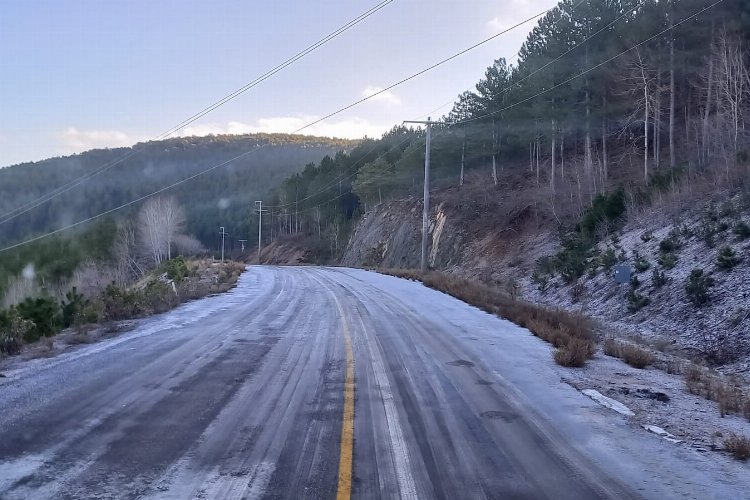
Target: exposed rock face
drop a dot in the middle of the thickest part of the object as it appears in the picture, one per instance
(390, 235)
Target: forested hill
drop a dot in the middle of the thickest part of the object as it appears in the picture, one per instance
(646, 95)
(220, 197)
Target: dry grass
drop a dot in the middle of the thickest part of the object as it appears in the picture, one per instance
(573, 354)
(571, 334)
(611, 347)
(635, 356)
(738, 446)
(716, 387)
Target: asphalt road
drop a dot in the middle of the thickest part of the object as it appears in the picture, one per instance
(301, 383)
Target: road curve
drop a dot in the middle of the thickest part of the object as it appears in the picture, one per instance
(316, 383)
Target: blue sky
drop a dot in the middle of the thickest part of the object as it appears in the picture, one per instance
(79, 74)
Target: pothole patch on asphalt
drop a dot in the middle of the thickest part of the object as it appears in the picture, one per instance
(505, 416)
(461, 362)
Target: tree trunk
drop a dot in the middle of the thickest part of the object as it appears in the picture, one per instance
(538, 146)
(707, 111)
(494, 160)
(463, 156)
(605, 162)
(552, 166)
(588, 160)
(645, 137)
(657, 120)
(562, 156)
(672, 159)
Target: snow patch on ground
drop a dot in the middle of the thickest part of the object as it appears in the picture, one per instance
(661, 432)
(608, 402)
(670, 318)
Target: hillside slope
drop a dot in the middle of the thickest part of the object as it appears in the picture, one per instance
(210, 200)
(504, 243)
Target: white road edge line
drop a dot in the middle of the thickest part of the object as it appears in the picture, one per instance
(399, 450)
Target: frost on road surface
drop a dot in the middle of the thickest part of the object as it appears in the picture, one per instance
(242, 395)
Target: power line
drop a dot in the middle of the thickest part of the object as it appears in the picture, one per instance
(80, 180)
(584, 72)
(415, 75)
(340, 110)
(589, 70)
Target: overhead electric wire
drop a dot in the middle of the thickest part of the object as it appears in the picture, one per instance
(586, 40)
(419, 73)
(76, 224)
(80, 180)
(589, 70)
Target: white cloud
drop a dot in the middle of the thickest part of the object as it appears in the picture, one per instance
(353, 128)
(73, 140)
(519, 11)
(387, 97)
(497, 24)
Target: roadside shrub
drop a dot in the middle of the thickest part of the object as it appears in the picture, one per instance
(577, 291)
(608, 259)
(669, 245)
(667, 260)
(76, 310)
(695, 381)
(707, 231)
(545, 265)
(573, 354)
(634, 281)
(44, 313)
(176, 269)
(636, 301)
(728, 396)
(119, 303)
(572, 261)
(13, 329)
(158, 297)
(607, 209)
(611, 347)
(738, 446)
(635, 356)
(658, 278)
(640, 264)
(727, 258)
(541, 281)
(742, 230)
(698, 286)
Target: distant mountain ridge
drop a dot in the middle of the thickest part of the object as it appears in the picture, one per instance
(219, 197)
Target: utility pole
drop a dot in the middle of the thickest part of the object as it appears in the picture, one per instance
(242, 243)
(223, 234)
(259, 209)
(426, 195)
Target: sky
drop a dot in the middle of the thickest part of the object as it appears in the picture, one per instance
(83, 74)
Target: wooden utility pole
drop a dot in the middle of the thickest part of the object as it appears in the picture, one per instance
(426, 193)
(223, 234)
(259, 210)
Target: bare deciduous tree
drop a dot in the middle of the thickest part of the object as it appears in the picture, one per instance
(159, 221)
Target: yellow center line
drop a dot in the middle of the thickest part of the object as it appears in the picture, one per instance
(344, 490)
